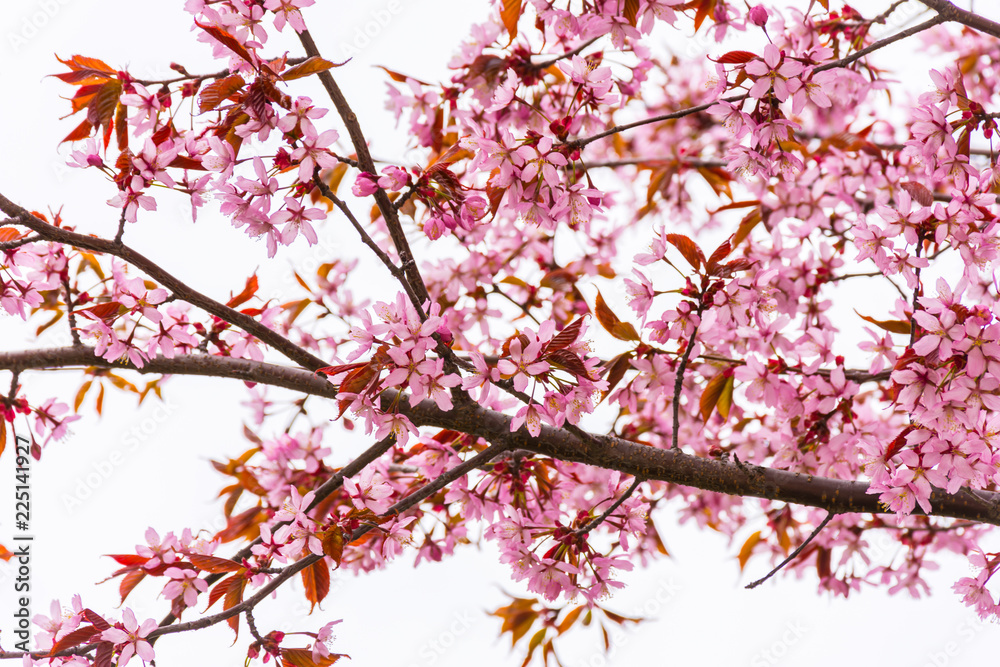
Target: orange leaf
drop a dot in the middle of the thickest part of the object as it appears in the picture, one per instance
(630, 11)
(401, 78)
(302, 657)
(510, 14)
(892, 326)
(749, 221)
(611, 323)
(313, 65)
(747, 549)
(710, 396)
(248, 291)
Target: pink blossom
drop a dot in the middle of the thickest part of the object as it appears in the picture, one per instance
(131, 640)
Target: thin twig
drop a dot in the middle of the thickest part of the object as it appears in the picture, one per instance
(599, 520)
(795, 553)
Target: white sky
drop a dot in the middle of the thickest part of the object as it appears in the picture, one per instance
(434, 615)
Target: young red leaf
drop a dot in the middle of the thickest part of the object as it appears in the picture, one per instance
(227, 40)
(214, 564)
(918, 192)
(81, 132)
(736, 57)
(720, 254)
(129, 582)
(316, 582)
(566, 337)
(85, 70)
(101, 110)
(74, 638)
(215, 93)
(689, 249)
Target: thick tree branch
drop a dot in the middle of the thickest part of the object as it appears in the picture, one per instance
(950, 12)
(632, 458)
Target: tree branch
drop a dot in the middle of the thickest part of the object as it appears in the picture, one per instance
(950, 12)
(382, 200)
(632, 458)
(180, 290)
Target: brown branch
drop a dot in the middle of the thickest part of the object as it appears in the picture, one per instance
(180, 290)
(382, 200)
(794, 554)
(843, 62)
(950, 12)
(423, 492)
(632, 458)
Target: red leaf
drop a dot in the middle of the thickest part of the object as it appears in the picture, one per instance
(736, 57)
(81, 132)
(130, 560)
(129, 582)
(228, 41)
(316, 581)
(566, 337)
(75, 638)
(689, 249)
(214, 564)
(215, 93)
(720, 254)
(85, 70)
(102, 311)
(919, 193)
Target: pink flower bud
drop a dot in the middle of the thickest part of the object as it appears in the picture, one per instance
(758, 16)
